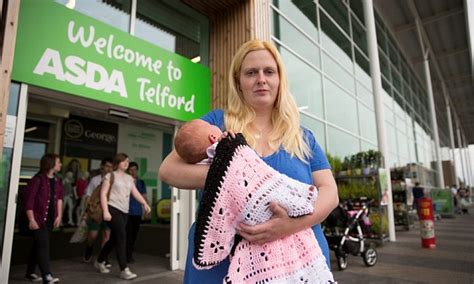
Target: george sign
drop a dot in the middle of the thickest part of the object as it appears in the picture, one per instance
(85, 137)
(77, 54)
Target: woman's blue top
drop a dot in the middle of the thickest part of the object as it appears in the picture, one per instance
(280, 161)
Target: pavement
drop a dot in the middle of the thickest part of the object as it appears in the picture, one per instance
(403, 261)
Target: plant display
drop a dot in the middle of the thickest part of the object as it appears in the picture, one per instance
(356, 189)
(379, 224)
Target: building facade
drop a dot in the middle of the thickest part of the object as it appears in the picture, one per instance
(119, 75)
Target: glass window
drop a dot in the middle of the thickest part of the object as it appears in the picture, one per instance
(341, 108)
(335, 42)
(33, 150)
(384, 67)
(411, 149)
(388, 114)
(113, 12)
(362, 69)
(338, 12)
(341, 144)
(305, 83)
(387, 99)
(336, 72)
(381, 39)
(367, 121)
(402, 145)
(396, 81)
(170, 27)
(298, 42)
(302, 13)
(316, 127)
(393, 53)
(359, 35)
(358, 9)
(368, 146)
(391, 138)
(365, 95)
(5, 163)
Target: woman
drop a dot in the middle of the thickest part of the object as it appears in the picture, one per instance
(261, 107)
(115, 206)
(43, 204)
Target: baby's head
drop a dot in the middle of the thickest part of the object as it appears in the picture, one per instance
(193, 139)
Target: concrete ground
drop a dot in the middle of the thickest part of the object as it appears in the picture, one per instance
(403, 261)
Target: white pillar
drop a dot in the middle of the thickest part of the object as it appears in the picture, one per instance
(460, 152)
(378, 103)
(467, 157)
(434, 123)
(451, 136)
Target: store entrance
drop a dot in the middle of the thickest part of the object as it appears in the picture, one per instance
(83, 132)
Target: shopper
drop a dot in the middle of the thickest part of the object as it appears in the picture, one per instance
(80, 193)
(43, 205)
(418, 194)
(261, 107)
(93, 227)
(135, 212)
(69, 199)
(114, 199)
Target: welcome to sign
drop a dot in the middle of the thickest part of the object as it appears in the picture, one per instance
(60, 49)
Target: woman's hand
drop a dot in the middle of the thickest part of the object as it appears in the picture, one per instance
(107, 216)
(33, 225)
(147, 208)
(279, 226)
(57, 221)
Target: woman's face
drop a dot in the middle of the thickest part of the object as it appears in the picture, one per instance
(124, 165)
(259, 79)
(57, 165)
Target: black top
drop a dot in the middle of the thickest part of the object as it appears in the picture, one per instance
(418, 192)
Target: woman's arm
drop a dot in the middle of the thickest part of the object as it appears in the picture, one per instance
(57, 221)
(139, 197)
(176, 172)
(282, 225)
(103, 197)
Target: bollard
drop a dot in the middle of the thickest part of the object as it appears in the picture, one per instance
(425, 212)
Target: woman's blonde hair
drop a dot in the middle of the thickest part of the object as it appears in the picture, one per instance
(285, 115)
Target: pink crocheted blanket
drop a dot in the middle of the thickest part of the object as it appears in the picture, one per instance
(239, 188)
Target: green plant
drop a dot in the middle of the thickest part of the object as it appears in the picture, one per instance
(355, 189)
(379, 224)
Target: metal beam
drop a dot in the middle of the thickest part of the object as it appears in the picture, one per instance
(425, 37)
(431, 19)
(442, 54)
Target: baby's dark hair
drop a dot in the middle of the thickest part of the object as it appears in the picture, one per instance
(189, 142)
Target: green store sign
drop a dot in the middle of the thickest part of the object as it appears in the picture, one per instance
(60, 49)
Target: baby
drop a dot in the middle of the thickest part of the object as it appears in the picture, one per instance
(196, 141)
(239, 188)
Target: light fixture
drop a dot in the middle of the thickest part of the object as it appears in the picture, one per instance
(302, 108)
(31, 129)
(196, 59)
(71, 4)
(118, 113)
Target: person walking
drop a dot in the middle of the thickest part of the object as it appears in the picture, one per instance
(261, 107)
(43, 205)
(135, 212)
(93, 227)
(115, 201)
